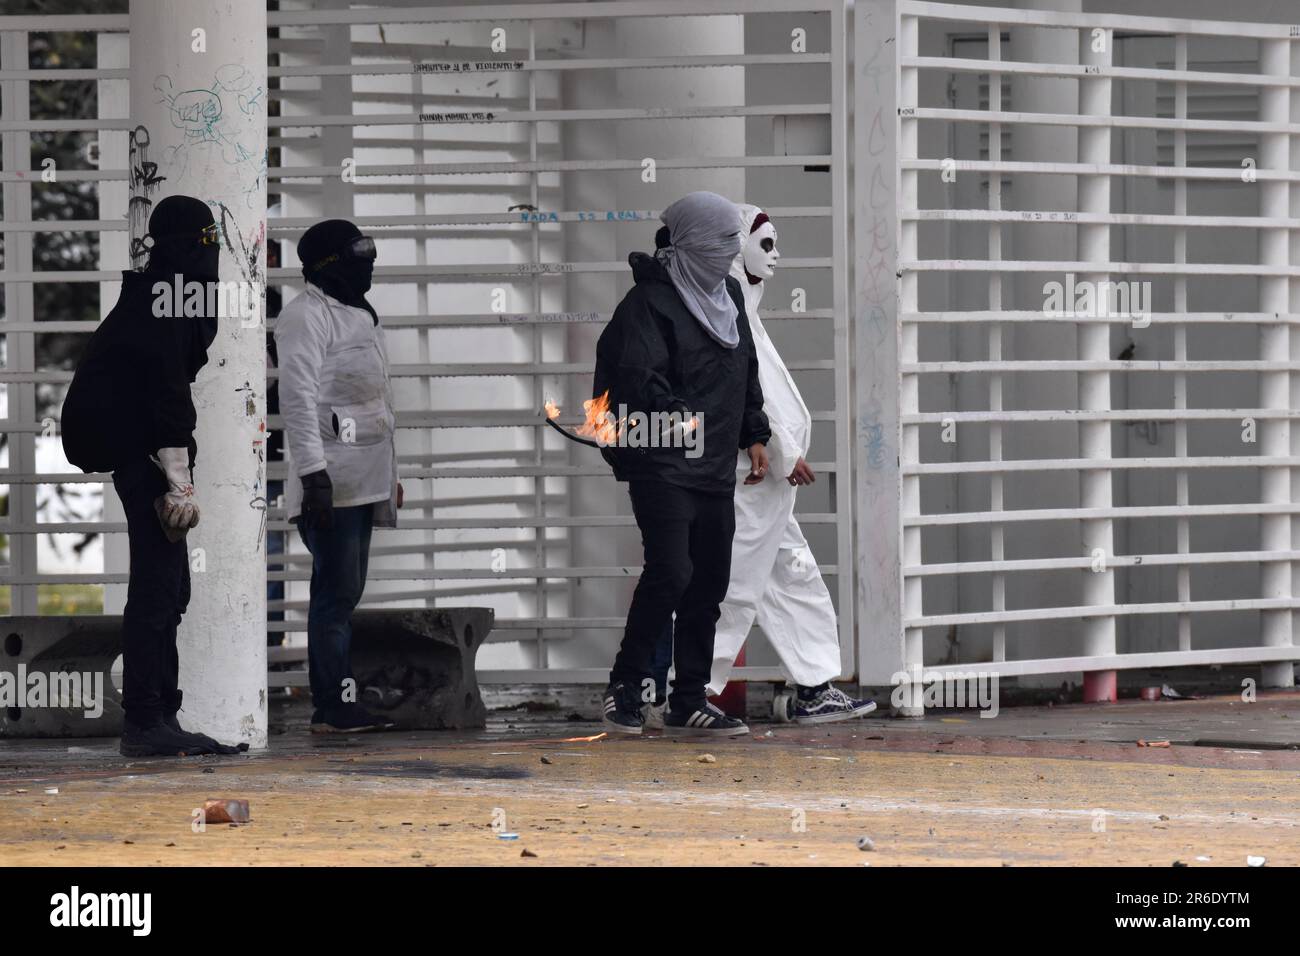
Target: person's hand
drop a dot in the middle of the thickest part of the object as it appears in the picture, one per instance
(757, 463)
(177, 509)
(802, 474)
(401, 495)
(318, 501)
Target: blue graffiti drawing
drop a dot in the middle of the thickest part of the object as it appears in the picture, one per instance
(875, 438)
(222, 123)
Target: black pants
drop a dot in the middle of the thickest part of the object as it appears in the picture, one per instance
(156, 597)
(687, 540)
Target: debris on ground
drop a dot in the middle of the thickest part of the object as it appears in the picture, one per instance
(865, 843)
(1256, 860)
(528, 852)
(225, 811)
(1154, 743)
(707, 758)
(546, 760)
(507, 836)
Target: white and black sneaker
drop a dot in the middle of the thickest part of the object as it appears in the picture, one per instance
(705, 719)
(827, 704)
(622, 704)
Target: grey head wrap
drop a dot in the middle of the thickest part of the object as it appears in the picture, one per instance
(704, 231)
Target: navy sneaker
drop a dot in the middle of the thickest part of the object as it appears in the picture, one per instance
(827, 704)
(705, 719)
(348, 720)
(622, 709)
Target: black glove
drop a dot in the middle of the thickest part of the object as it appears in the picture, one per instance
(318, 501)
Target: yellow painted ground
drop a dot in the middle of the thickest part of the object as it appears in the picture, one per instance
(652, 801)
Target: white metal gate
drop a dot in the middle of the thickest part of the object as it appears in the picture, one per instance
(1090, 491)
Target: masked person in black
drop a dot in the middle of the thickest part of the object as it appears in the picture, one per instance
(337, 407)
(678, 363)
(129, 411)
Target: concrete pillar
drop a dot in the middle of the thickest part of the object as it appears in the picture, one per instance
(1028, 340)
(198, 89)
(1095, 491)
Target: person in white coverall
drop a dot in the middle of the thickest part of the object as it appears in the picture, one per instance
(774, 577)
(337, 406)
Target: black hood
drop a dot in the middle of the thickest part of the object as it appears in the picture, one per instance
(345, 278)
(175, 228)
(646, 268)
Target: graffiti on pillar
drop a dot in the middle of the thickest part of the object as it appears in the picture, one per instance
(245, 250)
(143, 183)
(222, 123)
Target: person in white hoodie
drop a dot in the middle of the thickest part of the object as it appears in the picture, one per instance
(337, 405)
(775, 580)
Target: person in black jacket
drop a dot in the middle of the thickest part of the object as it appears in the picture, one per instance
(679, 345)
(129, 411)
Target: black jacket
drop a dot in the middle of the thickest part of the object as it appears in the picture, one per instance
(130, 395)
(654, 356)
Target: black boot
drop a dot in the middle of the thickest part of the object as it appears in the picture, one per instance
(198, 743)
(171, 705)
(155, 740)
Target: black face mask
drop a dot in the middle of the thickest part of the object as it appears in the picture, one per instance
(355, 274)
(347, 272)
(191, 259)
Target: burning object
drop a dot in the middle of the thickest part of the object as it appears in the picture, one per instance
(601, 428)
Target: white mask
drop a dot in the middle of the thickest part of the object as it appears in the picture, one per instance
(760, 253)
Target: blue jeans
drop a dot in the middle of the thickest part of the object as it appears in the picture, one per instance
(662, 660)
(338, 576)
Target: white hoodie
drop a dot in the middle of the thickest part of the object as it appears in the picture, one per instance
(337, 403)
(788, 416)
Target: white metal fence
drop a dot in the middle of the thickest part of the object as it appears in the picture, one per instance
(492, 179)
(1050, 493)
(1078, 485)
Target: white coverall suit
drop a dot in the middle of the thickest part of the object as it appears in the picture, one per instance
(334, 376)
(774, 577)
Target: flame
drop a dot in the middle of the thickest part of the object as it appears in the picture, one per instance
(582, 740)
(552, 410)
(600, 423)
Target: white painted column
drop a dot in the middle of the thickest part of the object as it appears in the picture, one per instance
(198, 85)
(1274, 345)
(1094, 345)
(909, 392)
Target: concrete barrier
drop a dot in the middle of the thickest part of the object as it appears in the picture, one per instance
(54, 676)
(416, 667)
(413, 666)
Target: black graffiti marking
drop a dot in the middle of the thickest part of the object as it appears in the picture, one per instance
(248, 258)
